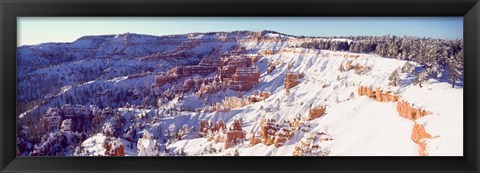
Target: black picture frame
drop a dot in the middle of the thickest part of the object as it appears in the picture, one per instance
(11, 9)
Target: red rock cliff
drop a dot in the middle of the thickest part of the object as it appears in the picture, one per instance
(407, 111)
(378, 94)
(419, 133)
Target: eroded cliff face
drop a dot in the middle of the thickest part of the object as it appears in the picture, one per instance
(316, 112)
(408, 111)
(291, 80)
(405, 110)
(418, 136)
(377, 94)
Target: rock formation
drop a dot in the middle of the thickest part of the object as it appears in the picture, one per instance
(283, 134)
(291, 80)
(316, 112)
(258, 96)
(418, 136)
(254, 139)
(309, 145)
(377, 94)
(268, 130)
(245, 78)
(235, 134)
(114, 147)
(359, 69)
(407, 111)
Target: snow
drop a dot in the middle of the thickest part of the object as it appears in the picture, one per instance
(446, 123)
(147, 146)
(366, 127)
(359, 126)
(94, 145)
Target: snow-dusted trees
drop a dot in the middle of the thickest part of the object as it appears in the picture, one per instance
(407, 68)
(421, 77)
(436, 55)
(456, 68)
(147, 146)
(394, 78)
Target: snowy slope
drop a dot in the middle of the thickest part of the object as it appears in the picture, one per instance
(359, 125)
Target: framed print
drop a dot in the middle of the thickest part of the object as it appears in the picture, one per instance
(228, 86)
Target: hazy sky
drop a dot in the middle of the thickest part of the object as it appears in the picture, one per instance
(34, 30)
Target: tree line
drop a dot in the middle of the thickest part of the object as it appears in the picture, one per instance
(440, 58)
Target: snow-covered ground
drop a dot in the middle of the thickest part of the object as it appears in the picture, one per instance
(359, 125)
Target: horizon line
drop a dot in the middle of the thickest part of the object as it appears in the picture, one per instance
(177, 34)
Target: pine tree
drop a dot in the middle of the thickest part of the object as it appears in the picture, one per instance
(421, 77)
(394, 78)
(455, 63)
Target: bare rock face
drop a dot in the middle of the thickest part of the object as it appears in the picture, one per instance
(208, 129)
(235, 134)
(114, 147)
(418, 134)
(203, 130)
(347, 66)
(407, 111)
(291, 80)
(254, 140)
(161, 79)
(359, 69)
(283, 134)
(378, 94)
(268, 130)
(316, 112)
(271, 67)
(245, 78)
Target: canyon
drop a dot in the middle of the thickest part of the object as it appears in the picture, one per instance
(236, 93)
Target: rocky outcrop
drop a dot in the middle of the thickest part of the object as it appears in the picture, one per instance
(283, 134)
(245, 78)
(181, 71)
(161, 79)
(407, 111)
(291, 80)
(258, 96)
(309, 145)
(378, 94)
(230, 65)
(359, 69)
(235, 134)
(114, 147)
(316, 112)
(269, 52)
(268, 130)
(235, 70)
(271, 67)
(203, 129)
(254, 139)
(210, 127)
(273, 132)
(418, 136)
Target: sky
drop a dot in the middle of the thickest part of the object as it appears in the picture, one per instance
(36, 30)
